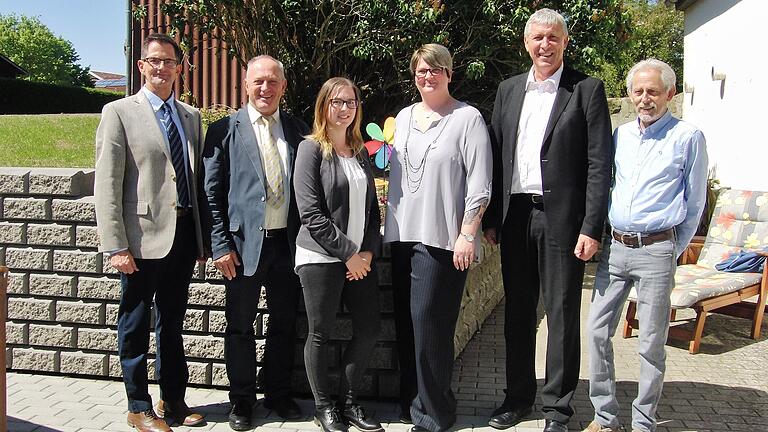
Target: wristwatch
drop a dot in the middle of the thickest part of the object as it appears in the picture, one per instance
(468, 237)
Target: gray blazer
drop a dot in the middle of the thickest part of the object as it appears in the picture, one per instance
(234, 187)
(135, 187)
(322, 196)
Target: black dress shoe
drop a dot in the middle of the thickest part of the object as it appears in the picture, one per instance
(418, 429)
(405, 417)
(285, 407)
(240, 416)
(329, 419)
(505, 417)
(555, 426)
(355, 416)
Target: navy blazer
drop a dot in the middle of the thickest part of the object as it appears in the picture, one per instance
(576, 156)
(322, 196)
(235, 186)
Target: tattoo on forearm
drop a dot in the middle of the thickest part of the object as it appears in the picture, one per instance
(475, 214)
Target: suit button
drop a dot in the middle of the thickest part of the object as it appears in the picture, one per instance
(173, 178)
(261, 228)
(173, 204)
(263, 199)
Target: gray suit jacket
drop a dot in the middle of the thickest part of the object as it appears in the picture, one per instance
(322, 196)
(234, 186)
(135, 180)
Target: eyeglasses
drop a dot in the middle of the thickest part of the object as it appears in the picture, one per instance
(338, 103)
(422, 73)
(157, 62)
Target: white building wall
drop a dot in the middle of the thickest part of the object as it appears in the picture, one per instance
(730, 36)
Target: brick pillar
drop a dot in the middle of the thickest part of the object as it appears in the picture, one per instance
(3, 307)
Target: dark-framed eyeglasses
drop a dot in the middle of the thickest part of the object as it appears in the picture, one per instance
(338, 103)
(158, 62)
(422, 73)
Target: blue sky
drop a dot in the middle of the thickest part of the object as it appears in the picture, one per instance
(96, 28)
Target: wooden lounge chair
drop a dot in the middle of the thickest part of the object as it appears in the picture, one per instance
(739, 222)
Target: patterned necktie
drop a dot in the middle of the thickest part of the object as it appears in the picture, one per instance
(177, 157)
(273, 169)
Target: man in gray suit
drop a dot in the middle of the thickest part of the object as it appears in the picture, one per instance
(148, 157)
(249, 159)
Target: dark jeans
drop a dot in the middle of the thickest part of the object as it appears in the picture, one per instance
(166, 280)
(275, 273)
(427, 293)
(324, 286)
(532, 261)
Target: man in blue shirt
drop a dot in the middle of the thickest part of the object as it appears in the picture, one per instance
(659, 189)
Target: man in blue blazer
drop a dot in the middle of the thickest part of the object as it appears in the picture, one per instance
(248, 160)
(551, 135)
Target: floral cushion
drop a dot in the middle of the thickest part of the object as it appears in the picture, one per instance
(739, 222)
(694, 283)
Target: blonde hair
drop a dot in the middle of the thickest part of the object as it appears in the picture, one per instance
(320, 124)
(435, 55)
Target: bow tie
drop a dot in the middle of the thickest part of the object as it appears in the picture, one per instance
(546, 86)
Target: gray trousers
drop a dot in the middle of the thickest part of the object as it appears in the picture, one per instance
(651, 271)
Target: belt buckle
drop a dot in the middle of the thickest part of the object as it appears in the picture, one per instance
(537, 199)
(627, 239)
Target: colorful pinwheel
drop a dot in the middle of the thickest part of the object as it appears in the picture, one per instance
(381, 141)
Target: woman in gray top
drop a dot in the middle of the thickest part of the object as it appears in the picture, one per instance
(440, 185)
(335, 247)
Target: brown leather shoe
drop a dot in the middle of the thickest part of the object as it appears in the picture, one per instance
(147, 421)
(179, 412)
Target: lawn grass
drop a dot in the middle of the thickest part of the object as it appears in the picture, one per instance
(48, 140)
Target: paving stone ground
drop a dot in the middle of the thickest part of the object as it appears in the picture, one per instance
(723, 388)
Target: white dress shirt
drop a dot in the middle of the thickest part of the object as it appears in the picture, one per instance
(274, 218)
(534, 116)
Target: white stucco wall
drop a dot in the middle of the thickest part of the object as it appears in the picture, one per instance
(730, 35)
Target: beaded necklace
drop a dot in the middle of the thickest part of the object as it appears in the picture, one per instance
(414, 174)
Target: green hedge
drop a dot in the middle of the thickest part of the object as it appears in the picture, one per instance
(27, 97)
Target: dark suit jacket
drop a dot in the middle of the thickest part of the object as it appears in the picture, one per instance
(322, 196)
(576, 156)
(235, 186)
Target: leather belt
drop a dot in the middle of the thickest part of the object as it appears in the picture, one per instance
(531, 198)
(635, 240)
(182, 211)
(277, 232)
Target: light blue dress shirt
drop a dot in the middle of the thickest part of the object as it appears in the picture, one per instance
(660, 178)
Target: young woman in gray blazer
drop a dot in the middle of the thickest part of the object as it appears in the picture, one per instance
(337, 241)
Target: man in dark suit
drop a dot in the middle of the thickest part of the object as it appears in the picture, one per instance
(551, 136)
(249, 160)
(148, 160)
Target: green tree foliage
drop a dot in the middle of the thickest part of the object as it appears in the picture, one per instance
(47, 57)
(655, 30)
(371, 41)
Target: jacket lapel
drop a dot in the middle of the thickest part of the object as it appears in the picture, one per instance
(148, 117)
(518, 96)
(564, 92)
(247, 138)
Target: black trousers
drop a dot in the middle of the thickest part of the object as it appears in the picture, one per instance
(533, 262)
(324, 286)
(166, 281)
(427, 291)
(275, 273)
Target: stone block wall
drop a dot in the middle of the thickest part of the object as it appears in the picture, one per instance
(63, 295)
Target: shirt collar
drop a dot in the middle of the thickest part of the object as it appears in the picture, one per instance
(254, 115)
(656, 126)
(552, 83)
(156, 102)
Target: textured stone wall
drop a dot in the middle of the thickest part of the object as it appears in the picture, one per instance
(63, 295)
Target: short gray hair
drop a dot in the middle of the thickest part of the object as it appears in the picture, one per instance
(268, 57)
(545, 17)
(668, 76)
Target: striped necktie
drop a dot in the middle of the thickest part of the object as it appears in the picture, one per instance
(177, 157)
(273, 167)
